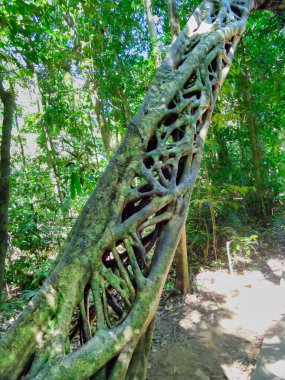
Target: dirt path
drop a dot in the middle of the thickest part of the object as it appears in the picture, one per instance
(217, 332)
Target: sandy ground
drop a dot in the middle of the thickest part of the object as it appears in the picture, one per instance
(216, 333)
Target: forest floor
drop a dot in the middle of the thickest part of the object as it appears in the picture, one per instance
(217, 331)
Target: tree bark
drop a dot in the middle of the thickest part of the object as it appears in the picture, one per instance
(21, 144)
(212, 212)
(276, 6)
(181, 255)
(103, 125)
(50, 151)
(8, 101)
(101, 118)
(256, 160)
(51, 159)
(250, 122)
(152, 32)
(181, 265)
(173, 20)
(122, 245)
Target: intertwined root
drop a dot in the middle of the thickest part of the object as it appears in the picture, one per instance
(162, 174)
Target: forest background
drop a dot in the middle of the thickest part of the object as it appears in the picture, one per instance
(77, 71)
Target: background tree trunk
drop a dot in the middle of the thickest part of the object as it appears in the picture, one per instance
(212, 212)
(173, 19)
(102, 121)
(49, 147)
(256, 161)
(8, 101)
(250, 123)
(181, 265)
(152, 32)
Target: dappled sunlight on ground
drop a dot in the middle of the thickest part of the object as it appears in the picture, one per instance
(217, 332)
(245, 296)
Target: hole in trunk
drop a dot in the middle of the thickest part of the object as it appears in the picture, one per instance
(148, 162)
(152, 144)
(169, 120)
(181, 166)
(190, 81)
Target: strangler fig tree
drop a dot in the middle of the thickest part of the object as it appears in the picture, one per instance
(106, 287)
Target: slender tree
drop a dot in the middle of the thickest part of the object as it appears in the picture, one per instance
(8, 101)
(250, 121)
(152, 32)
(173, 19)
(48, 143)
(181, 264)
(119, 252)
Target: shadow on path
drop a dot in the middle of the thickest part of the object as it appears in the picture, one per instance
(217, 332)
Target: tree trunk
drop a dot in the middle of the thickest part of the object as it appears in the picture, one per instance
(122, 98)
(101, 118)
(250, 122)
(181, 265)
(212, 212)
(173, 19)
(152, 32)
(256, 159)
(8, 101)
(50, 151)
(181, 255)
(276, 6)
(21, 143)
(51, 159)
(122, 245)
